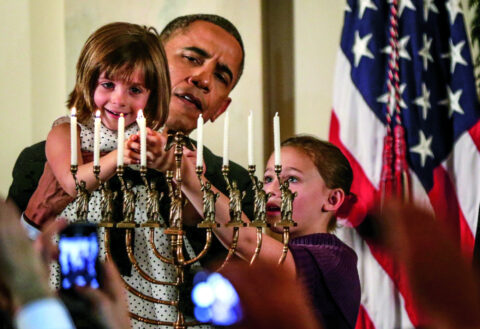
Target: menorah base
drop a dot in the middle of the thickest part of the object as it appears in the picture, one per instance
(174, 231)
(258, 223)
(151, 224)
(126, 225)
(208, 224)
(106, 224)
(236, 224)
(285, 223)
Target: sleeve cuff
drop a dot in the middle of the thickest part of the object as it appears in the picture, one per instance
(48, 313)
(32, 231)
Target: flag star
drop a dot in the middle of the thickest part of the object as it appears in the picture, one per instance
(455, 55)
(428, 5)
(425, 51)
(360, 47)
(402, 48)
(402, 4)
(347, 8)
(454, 8)
(384, 98)
(453, 102)
(423, 101)
(423, 148)
(364, 4)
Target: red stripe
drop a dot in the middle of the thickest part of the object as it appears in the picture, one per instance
(399, 280)
(363, 320)
(366, 194)
(361, 186)
(445, 204)
(442, 197)
(466, 237)
(475, 134)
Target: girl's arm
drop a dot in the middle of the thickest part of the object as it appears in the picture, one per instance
(271, 249)
(57, 150)
(157, 157)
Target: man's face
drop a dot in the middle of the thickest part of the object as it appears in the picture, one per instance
(203, 60)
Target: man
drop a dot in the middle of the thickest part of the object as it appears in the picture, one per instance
(206, 56)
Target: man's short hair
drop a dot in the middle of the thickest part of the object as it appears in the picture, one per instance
(182, 22)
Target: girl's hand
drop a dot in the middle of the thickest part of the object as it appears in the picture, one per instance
(157, 157)
(131, 152)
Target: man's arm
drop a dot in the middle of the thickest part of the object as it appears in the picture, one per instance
(26, 173)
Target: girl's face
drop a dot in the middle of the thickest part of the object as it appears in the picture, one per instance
(312, 193)
(114, 97)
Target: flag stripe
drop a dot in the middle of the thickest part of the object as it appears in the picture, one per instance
(445, 204)
(440, 113)
(363, 320)
(375, 270)
(475, 134)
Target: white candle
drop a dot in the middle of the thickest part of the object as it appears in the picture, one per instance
(200, 141)
(276, 138)
(225, 141)
(96, 140)
(73, 137)
(250, 139)
(143, 138)
(120, 139)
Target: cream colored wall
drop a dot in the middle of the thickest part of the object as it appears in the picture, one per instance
(47, 39)
(318, 26)
(15, 91)
(33, 76)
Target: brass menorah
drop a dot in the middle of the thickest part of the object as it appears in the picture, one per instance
(174, 229)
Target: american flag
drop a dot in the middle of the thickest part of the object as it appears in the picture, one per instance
(439, 111)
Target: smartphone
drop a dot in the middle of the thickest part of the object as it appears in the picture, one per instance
(79, 256)
(215, 299)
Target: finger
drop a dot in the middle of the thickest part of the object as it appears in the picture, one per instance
(151, 132)
(189, 153)
(150, 156)
(134, 146)
(113, 285)
(131, 139)
(153, 142)
(95, 296)
(131, 155)
(54, 227)
(44, 244)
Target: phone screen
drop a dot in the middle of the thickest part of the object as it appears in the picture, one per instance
(79, 263)
(215, 299)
